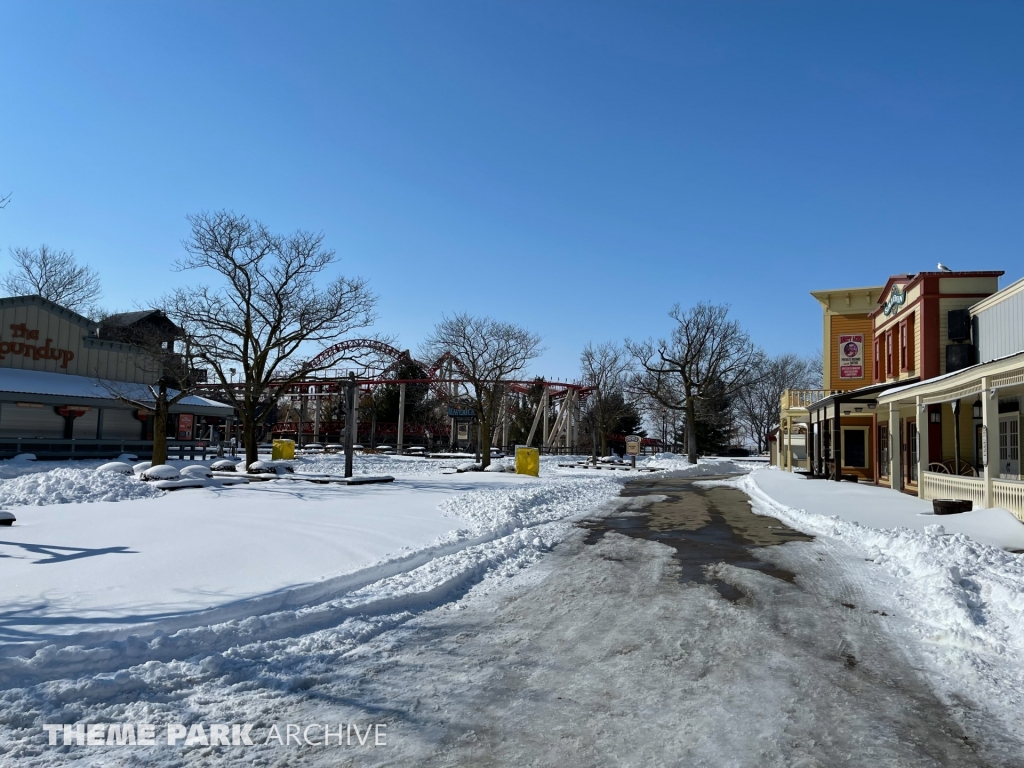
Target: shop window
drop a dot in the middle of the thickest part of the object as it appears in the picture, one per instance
(883, 450)
(903, 346)
(888, 355)
(911, 364)
(878, 359)
(912, 446)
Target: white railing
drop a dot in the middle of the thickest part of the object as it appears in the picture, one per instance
(803, 398)
(939, 486)
(1009, 494)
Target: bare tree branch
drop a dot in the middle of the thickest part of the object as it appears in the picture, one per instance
(706, 355)
(489, 352)
(54, 275)
(270, 308)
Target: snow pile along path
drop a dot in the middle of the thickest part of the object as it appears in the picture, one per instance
(965, 597)
(65, 485)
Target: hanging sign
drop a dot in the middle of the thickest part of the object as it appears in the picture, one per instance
(897, 299)
(851, 356)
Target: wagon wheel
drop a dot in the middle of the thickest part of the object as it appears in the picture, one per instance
(967, 469)
(937, 466)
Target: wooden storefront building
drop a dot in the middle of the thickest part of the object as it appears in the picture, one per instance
(69, 390)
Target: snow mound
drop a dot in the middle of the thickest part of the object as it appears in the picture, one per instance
(467, 466)
(72, 486)
(197, 471)
(116, 466)
(161, 472)
(128, 457)
(224, 465)
(142, 466)
(24, 457)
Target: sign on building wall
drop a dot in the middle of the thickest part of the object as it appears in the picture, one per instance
(851, 356)
(185, 426)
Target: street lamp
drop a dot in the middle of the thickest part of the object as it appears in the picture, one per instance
(976, 408)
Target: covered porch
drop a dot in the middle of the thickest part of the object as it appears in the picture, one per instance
(843, 429)
(969, 423)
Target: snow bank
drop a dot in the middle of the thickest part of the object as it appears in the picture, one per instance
(71, 486)
(965, 596)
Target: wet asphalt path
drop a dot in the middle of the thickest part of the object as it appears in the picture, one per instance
(689, 632)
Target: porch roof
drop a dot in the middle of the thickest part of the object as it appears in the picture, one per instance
(1003, 372)
(863, 395)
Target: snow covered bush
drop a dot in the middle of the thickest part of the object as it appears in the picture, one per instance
(196, 470)
(72, 486)
(161, 472)
(269, 468)
(142, 466)
(117, 467)
(224, 465)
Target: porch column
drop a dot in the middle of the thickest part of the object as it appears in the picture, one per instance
(788, 444)
(837, 442)
(990, 434)
(922, 444)
(895, 475)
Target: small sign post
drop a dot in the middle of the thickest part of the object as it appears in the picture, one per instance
(633, 448)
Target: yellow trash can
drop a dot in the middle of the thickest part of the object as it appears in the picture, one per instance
(527, 461)
(282, 449)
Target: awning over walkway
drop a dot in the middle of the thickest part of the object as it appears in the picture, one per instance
(997, 374)
(64, 389)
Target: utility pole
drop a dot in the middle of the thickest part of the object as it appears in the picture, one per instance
(350, 409)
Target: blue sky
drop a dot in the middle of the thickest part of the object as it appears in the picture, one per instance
(575, 167)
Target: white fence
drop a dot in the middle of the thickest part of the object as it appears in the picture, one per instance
(939, 486)
(1009, 494)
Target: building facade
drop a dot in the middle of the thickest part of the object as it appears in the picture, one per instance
(66, 391)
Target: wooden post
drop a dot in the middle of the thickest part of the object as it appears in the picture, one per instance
(504, 423)
(956, 436)
(895, 473)
(545, 404)
(401, 416)
(350, 408)
(837, 442)
(922, 444)
(316, 414)
(990, 436)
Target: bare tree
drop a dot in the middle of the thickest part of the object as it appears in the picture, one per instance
(54, 275)
(175, 370)
(272, 304)
(604, 367)
(707, 355)
(759, 402)
(816, 367)
(4, 200)
(487, 352)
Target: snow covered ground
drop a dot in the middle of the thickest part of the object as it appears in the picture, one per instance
(412, 604)
(951, 575)
(140, 574)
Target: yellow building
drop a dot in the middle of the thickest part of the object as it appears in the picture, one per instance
(846, 320)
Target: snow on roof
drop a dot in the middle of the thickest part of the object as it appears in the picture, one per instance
(935, 379)
(65, 385)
